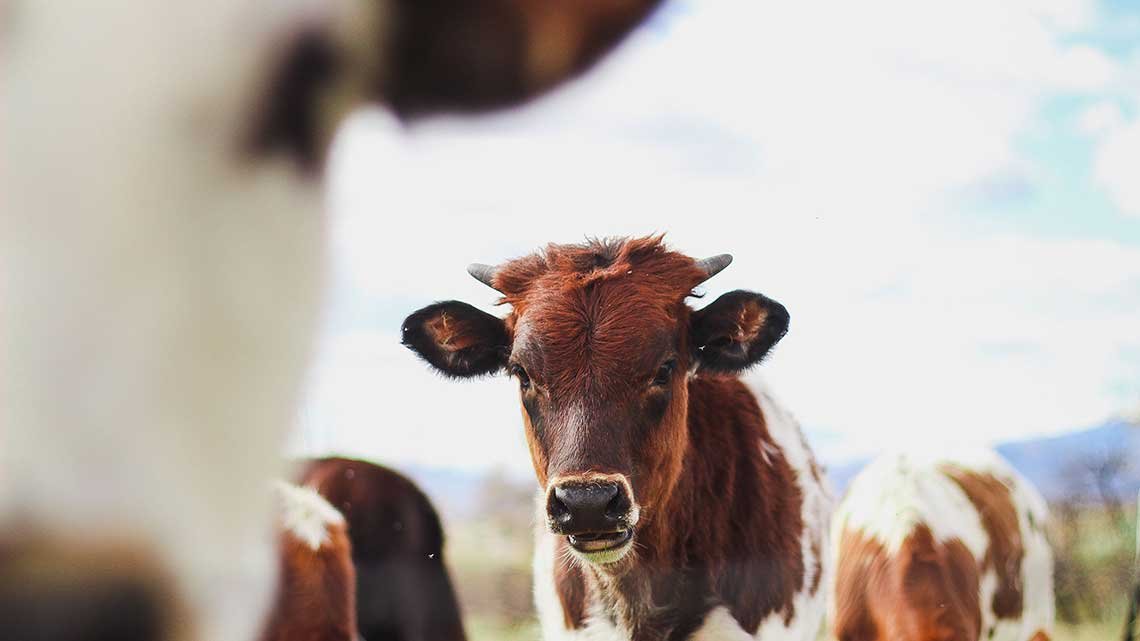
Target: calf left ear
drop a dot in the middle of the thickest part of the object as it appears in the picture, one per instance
(457, 339)
(736, 330)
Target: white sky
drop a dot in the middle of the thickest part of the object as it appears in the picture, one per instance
(852, 158)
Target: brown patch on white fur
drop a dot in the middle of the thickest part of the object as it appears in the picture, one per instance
(817, 554)
(991, 498)
(558, 39)
(927, 591)
(422, 56)
(493, 53)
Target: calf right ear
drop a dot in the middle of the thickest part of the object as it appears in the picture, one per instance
(458, 339)
(736, 331)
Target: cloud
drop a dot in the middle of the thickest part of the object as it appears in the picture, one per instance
(1083, 69)
(1115, 124)
(827, 147)
(998, 189)
(1100, 118)
(372, 398)
(1117, 167)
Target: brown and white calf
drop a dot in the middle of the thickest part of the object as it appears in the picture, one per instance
(162, 263)
(403, 591)
(316, 591)
(676, 502)
(948, 549)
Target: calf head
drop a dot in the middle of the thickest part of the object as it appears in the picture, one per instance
(602, 344)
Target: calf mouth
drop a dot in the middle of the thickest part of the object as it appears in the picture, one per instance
(601, 547)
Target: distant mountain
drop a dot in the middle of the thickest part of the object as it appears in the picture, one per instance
(1086, 465)
(1101, 462)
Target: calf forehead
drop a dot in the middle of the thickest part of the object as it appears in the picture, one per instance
(603, 329)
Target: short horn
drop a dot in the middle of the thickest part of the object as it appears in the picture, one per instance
(483, 273)
(713, 264)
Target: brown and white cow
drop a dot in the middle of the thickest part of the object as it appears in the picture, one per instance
(676, 502)
(162, 262)
(403, 589)
(316, 590)
(941, 549)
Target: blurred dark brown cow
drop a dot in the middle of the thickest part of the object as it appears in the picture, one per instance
(679, 503)
(403, 590)
(163, 259)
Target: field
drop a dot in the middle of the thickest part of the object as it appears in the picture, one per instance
(490, 629)
(490, 562)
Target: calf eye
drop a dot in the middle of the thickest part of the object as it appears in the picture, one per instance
(664, 373)
(518, 372)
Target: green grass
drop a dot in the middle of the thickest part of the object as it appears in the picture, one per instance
(481, 628)
(1104, 631)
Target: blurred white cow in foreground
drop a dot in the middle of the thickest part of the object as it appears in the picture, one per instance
(162, 252)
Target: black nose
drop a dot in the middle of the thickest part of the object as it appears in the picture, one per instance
(592, 507)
